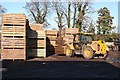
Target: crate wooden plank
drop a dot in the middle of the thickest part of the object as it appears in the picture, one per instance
(40, 32)
(13, 17)
(37, 53)
(37, 34)
(41, 52)
(13, 46)
(13, 54)
(13, 23)
(51, 31)
(51, 38)
(71, 30)
(41, 43)
(59, 49)
(36, 26)
(13, 36)
(53, 43)
(15, 32)
(37, 43)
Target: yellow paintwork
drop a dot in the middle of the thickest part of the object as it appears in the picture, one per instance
(68, 51)
(71, 46)
(87, 52)
(94, 45)
(103, 47)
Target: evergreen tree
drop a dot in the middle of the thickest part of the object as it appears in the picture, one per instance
(105, 21)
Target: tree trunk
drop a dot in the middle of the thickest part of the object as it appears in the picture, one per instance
(68, 19)
(74, 17)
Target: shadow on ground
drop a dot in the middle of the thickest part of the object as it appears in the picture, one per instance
(61, 69)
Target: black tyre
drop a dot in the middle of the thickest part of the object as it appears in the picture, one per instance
(88, 53)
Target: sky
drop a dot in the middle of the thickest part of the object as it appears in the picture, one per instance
(16, 6)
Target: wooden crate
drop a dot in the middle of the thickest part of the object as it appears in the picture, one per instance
(53, 43)
(38, 40)
(51, 32)
(51, 37)
(14, 19)
(37, 43)
(59, 49)
(69, 31)
(34, 42)
(37, 34)
(36, 26)
(13, 42)
(37, 53)
(18, 53)
(67, 34)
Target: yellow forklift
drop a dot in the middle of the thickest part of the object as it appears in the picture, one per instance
(83, 44)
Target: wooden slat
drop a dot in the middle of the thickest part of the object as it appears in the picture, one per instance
(53, 43)
(13, 36)
(37, 53)
(36, 26)
(52, 38)
(13, 54)
(51, 31)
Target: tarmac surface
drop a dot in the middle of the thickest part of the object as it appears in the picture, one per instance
(60, 66)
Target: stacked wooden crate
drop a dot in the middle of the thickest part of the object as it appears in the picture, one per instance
(51, 36)
(37, 41)
(66, 37)
(67, 34)
(13, 36)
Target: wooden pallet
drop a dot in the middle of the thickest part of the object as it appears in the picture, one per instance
(37, 34)
(67, 34)
(37, 43)
(14, 19)
(51, 37)
(13, 42)
(51, 32)
(13, 54)
(36, 26)
(69, 31)
(41, 42)
(59, 49)
(37, 53)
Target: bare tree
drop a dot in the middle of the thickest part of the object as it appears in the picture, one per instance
(2, 9)
(58, 8)
(67, 13)
(75, 14)
(38, 10)
(83, 8)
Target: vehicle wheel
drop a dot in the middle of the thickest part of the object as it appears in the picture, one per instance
(104, 55)
(88, 53)
(68, 52)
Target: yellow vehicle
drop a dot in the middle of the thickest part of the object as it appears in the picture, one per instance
(83, 44)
